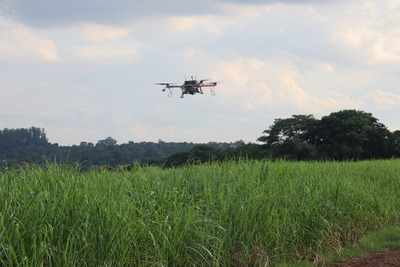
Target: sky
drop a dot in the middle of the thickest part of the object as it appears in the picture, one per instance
(85, 70)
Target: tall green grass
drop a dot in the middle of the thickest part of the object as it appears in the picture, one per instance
(247, 213)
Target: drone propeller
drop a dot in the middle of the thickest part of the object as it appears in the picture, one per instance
(166, 84)
(201, 81)
(213, 83)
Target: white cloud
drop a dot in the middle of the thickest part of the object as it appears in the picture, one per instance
(108, 54)
(19, 43)
(142, 131)
(208, 23)
(323, 67)
(139, 131)
(384, 99)
(96, 32)
(261, 96)
(247, 11)
(370, 32)
(248, 81)
(8, 51)
(192, 53)
(294, 94)
(268, 85)
(374, 45)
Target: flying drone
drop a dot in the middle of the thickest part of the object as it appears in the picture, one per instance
(191, 87)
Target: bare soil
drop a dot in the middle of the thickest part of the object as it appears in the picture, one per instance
(379, 259)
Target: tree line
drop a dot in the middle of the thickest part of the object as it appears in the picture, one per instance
(20, 146)
(342, 135)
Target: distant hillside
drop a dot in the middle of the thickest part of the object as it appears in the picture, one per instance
(344, 135)
(32, 146)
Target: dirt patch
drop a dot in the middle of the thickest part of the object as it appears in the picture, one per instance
(379, 259)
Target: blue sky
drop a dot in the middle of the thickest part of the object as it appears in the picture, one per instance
(85, 70)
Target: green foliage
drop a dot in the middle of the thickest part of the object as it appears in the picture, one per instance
(201, 154)
(109, 141)
(31, 146)
(292, 138)
(27, 145)
(298, 128)
(244, 213)
(198, 154)
(351, 134)
(343, 135)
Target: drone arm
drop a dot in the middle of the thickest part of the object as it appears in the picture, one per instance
(208, 85)
(211, 85)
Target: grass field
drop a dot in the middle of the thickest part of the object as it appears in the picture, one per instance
(247, 213)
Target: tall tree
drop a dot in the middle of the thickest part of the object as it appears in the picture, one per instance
(396, 143)
(23, 144)
(292, 137)
(109, 141)
(353, 134)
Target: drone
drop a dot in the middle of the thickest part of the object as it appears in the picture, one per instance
(191, 87)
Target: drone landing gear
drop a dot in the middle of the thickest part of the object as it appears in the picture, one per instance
(212, 92)
(170, 91)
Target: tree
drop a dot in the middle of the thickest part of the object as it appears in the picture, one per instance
(346, 134)
(353, 134)
(198, 154)
(109, 141)
(396, 143)
(24, 144)
(177, 159)
(292, 137)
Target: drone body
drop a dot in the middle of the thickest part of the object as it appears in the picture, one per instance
(189, 87)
